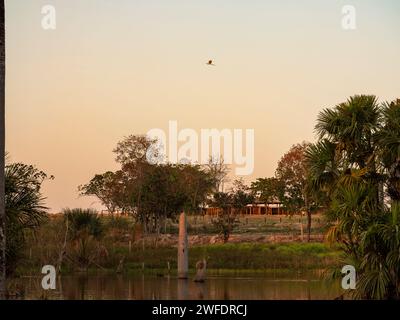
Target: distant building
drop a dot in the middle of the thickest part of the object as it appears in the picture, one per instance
(257, 208)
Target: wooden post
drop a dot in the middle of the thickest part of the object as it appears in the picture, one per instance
(182, 248)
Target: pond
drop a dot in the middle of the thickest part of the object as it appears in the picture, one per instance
(225, 287)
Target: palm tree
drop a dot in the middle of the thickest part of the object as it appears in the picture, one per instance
(358, 152)
(24, 207)
(347, 147)
(85, 229)
(350, 125)
(380, 264)
(388, 141)
(322, 166)
(354, 210)
(369, 234)
(2, 146)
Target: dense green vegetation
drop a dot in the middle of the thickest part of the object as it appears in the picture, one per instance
(150, 191)
(24, 207)
(356, 164)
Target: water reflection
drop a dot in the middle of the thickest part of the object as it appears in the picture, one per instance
(139, 287)
(183, 289)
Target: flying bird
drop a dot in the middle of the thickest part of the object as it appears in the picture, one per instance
(210, 63)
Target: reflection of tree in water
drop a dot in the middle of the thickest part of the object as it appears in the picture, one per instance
(168, 287)
(103, 285)
(143, 284)
(146, 287)
(119, 288)
(201, 289)
(60, 287)
(82, 281)
(226, 291)
(183, 289)
(129, 290)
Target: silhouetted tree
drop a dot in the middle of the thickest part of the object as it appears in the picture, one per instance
(24, 207)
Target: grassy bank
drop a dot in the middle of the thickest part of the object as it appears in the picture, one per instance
(117, 248)
(244, 256)
(248, 224)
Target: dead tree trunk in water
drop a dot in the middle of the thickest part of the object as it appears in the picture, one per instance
(2, 154)
(182, 248)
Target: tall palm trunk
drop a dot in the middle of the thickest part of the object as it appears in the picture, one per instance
(2, 146)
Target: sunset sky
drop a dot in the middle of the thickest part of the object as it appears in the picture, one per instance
(118, 67)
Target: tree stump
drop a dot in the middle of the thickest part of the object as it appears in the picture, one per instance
(182, 248)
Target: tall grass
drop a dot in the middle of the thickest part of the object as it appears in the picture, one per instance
(117, 243)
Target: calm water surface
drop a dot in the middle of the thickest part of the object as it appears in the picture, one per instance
(137, 287)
